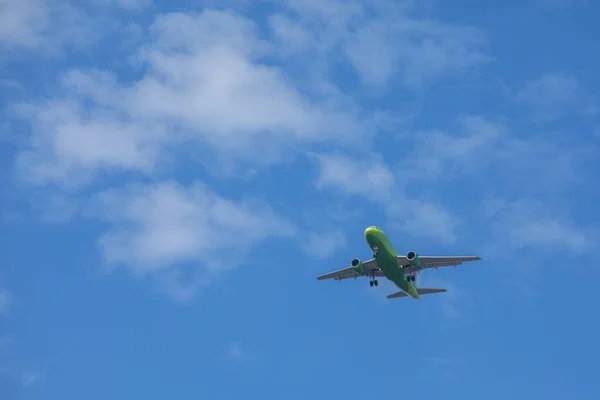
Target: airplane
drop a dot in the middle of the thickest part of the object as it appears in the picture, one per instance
(402, 270)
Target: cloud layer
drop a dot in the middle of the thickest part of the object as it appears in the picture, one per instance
(163, 224)
(215, 93)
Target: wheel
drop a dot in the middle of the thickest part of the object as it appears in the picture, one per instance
(376, 282)
(370, 283)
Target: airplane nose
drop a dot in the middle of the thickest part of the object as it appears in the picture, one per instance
(369, 231)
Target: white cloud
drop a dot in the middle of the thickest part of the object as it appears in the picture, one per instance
(424, 219)
(156, 227)
(209, 89)
(46, 26)
(420, 50)
(69, 145)
(382, 40)
(322, 245)
(549, 90)
(126, 4)
(552, 95)
(550, 233)
(355, 175)
(538, 166)
(361, 175)
(438, 153)
(205, 86)
(22, 23)
(6, 301)
(292, 36)
(528, 223)
(181, 237)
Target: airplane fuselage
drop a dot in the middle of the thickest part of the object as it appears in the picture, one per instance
(387, 261)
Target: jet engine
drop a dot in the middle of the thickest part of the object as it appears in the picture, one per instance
(413, 258)
(356, 265)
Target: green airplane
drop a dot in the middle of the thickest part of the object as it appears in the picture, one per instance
(402, 270)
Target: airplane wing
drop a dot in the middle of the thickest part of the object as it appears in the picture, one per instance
(437, 261)
(348, 272)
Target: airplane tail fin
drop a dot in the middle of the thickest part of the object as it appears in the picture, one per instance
(419, 291)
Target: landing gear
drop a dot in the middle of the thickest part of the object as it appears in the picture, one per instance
(375, 251)
(410, 275)
(373, 281)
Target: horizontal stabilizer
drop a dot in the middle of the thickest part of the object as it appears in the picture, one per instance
(419, 291)
(430, 291)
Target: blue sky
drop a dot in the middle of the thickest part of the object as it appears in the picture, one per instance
(176, 174)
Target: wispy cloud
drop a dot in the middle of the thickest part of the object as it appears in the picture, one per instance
(418, 50)
(439, 159)
(47, 27)
(551, 96)
(214, 89)
(383, 40)
(22, 23)
(440, 153)
(157, 227)
(29, 379)
(235, 352)
(480, 144)
(126, 4)
(450, 301)
(182, 236)
(322, 245)
(528, 223)
(358, 176)
(205, 86)
(354, 175)
(206, 94)
(6, 301)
